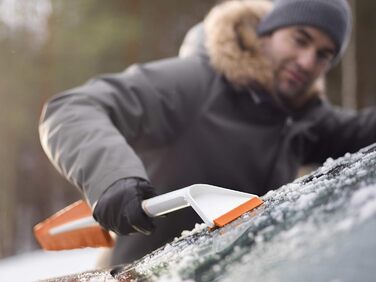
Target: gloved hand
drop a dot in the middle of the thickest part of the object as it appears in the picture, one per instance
(119, 208)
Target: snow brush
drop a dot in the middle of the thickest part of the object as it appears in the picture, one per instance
(74, 227)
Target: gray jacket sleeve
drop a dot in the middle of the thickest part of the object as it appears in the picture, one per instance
(88, 132)
(342, 131)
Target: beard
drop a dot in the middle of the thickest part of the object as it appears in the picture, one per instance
(290, 81)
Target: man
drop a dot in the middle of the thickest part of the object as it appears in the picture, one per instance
(243, 112)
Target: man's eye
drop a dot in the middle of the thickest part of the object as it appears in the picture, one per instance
(325, 57)
(300, 41)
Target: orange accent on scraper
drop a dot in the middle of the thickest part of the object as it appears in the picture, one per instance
(237, 212)
(90, 236)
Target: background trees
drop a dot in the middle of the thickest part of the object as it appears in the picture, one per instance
(47, 46)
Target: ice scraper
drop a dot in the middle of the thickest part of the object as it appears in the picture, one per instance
(74, 227)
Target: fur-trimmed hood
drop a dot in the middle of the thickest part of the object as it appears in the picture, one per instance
(233, 47)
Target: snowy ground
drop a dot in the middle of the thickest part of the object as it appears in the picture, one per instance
(42, 265)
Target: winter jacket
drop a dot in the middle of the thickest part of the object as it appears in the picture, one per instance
(196, 119)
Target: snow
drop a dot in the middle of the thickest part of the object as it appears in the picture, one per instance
(43, 265)
(319, 227)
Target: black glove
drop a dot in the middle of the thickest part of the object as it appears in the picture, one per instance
(119, 208)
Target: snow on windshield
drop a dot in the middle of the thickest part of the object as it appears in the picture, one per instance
(320, 227)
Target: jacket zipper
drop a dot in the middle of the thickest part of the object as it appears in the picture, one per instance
(285, 128)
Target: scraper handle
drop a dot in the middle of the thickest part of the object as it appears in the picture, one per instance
(165, 203)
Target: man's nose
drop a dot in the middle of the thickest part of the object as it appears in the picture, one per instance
(307, 60)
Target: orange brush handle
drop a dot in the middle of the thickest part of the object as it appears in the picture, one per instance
(92, 236)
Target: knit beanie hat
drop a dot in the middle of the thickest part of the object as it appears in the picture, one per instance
(331, 16)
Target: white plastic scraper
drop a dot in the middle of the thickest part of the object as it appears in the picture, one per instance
(74, 227)
(216, 206)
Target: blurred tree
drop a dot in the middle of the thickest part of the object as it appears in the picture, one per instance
(349, 68)
(366, 55)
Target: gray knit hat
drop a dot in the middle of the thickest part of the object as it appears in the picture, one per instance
(331, 16)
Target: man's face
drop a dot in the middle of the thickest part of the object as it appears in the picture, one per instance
(298, 56)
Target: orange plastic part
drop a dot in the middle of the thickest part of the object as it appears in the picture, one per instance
(238, 211)
(93, 236)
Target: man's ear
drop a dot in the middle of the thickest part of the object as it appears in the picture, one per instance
(329, 67)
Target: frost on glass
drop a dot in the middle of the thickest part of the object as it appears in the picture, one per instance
(321, 227)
